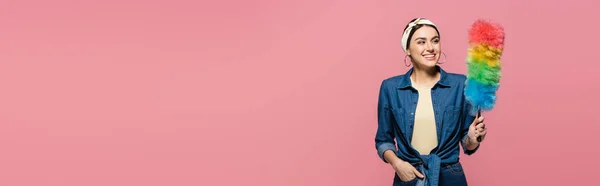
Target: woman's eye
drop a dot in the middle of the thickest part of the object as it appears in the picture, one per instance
(436, 41)
(420, 42)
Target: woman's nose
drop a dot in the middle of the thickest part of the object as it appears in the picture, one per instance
(428, 47)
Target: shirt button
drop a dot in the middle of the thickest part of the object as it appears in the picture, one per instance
(412, 113)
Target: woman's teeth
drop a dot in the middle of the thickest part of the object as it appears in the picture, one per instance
(429, 56)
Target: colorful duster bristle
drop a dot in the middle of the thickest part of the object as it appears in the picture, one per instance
(486, 44)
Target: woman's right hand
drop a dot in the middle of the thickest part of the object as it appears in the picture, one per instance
(406, 171)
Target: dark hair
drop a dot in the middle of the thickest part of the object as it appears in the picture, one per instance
(415, 28)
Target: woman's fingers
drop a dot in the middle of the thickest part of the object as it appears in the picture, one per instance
(409, 177)
(477, 121)
(418, 174)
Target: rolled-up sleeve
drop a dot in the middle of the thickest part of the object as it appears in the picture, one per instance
(384, 138)
(468, 120)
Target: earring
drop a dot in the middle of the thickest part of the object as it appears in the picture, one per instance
(444, 59)
(406, 64)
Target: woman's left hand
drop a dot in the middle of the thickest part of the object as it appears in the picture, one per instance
(477, 129)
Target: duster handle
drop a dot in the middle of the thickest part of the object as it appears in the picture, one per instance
(478, 115)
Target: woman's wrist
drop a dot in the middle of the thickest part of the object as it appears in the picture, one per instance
(472, 143)
(391, 157)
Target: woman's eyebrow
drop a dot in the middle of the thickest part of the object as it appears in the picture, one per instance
(424, 38)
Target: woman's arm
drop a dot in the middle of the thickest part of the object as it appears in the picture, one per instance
(468, 139)
(384, 138)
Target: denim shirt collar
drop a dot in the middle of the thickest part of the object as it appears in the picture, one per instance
(405, 82)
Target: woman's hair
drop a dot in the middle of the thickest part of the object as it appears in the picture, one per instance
(415, 28)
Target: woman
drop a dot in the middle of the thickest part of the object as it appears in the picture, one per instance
(426, 113)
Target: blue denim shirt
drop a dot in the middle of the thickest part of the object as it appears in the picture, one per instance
(396, 110)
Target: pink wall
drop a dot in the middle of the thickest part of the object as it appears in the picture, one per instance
(274, 93)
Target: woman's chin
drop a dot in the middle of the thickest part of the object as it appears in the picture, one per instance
(429, 63)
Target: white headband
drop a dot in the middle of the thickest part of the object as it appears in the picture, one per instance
(419, 21)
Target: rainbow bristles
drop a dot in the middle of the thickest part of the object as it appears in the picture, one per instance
(486, 44)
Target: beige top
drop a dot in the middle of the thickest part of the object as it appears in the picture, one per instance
(424, 137)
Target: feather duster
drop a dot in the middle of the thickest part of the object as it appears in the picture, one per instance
(486, 45)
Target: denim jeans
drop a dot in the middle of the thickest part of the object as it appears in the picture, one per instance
(450, 175)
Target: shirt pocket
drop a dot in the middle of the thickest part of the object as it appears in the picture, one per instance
(400, 117)
(450, 119)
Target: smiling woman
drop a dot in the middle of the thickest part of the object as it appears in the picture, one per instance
(424, 52)
(423, 115)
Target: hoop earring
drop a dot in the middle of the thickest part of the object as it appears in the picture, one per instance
(406, 64)
(444, 59)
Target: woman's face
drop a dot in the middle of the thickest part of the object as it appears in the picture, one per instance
(425, 47)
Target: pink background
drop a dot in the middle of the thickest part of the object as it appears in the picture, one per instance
(275, 93)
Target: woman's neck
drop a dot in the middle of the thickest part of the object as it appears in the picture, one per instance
(425, 77)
